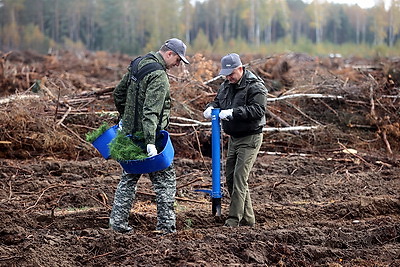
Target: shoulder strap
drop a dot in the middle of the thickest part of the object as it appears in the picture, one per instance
(138, 75)
(146, 69)
(133, 67)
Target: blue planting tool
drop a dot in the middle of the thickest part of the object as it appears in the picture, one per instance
(215, 192)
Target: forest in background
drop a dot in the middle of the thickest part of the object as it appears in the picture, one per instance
(259, 26)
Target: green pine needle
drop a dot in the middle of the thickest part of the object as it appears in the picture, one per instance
(123, 148)
(93, 135)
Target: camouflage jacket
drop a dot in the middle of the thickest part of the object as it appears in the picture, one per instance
(148, 101)
(248, 99)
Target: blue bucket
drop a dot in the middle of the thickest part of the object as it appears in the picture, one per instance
(155, 163)
(102, 142)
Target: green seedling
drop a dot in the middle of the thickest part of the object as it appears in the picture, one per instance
(93, 135)
(188, 223)
(123, 148)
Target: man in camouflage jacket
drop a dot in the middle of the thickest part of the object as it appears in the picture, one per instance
(145, 106)
(242, 98)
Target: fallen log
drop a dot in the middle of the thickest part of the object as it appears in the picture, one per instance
(289, 129)
(304, 95)
(265, 129)
(17, 97)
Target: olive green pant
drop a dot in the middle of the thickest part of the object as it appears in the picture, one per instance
(241, 155)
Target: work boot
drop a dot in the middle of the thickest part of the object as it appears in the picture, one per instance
(231, 223)
(163, 233)
(165, 230)
(246, 223)
(121, 228)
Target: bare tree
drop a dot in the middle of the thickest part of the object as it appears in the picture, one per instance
(380, 22)
(317, 10)
(394, 21)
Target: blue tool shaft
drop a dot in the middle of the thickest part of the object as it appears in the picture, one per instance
(216, 153)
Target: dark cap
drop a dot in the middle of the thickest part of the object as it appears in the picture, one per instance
(178, 47)
(229, 63)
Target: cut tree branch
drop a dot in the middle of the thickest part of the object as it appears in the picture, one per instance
(304, 95)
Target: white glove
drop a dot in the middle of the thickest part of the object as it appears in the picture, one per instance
(151, 150)
(226, 114)
(207, 112)
(120, 125)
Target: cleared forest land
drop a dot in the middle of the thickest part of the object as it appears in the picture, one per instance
(325, 193)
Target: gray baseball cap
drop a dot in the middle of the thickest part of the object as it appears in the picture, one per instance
(229, 63)
(178, 47)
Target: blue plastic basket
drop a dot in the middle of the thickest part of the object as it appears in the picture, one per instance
(155, 163)
(102, 142)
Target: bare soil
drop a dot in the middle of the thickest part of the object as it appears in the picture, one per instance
(317, 203)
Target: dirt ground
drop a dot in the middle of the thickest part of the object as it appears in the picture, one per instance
(317, 203)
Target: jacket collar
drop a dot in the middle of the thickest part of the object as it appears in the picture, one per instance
(241, 83)
(160, 59)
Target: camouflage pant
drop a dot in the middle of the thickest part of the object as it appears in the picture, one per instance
(164, 183)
